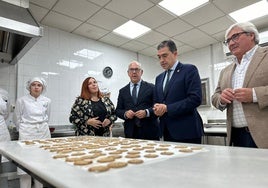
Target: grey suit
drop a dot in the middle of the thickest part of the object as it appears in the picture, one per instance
(256, 114)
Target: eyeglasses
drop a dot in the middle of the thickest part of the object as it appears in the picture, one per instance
(234, 37)
(134, 70)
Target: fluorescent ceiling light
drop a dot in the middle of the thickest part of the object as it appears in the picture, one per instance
(180, 7)
(92, 72)
(49, 73)
(131, 29)
(251, 12)
(89, 54)
(72, 64)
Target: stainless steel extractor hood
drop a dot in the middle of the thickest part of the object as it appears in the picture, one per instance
(19, 31)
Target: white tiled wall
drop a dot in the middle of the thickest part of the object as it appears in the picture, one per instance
(205, 59)
(8, 83)
(8, 79)
(58, 47)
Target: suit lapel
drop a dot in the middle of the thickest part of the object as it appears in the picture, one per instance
(128, 92)
(255, 61)
(230, 75)
(160, 85)
(173, 77)
(140, 92)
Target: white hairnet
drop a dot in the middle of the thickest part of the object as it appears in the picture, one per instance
(3, 94)
(37, 79)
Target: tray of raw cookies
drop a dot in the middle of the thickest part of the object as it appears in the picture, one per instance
(101, 154)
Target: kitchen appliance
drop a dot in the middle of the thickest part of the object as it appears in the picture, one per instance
(19, 31)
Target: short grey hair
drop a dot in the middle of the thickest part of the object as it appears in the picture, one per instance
(247, 27)
(136, 62)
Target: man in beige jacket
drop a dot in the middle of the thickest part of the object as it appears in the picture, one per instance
(243, 88)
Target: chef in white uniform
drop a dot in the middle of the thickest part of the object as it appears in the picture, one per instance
(32, 113)
(4, 112)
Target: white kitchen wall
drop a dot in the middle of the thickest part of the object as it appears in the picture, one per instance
(8, 79)
(53, 58)
(205, 59)
(8, 83)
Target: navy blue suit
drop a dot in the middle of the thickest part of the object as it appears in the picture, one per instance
(183, 96)
(149, 127)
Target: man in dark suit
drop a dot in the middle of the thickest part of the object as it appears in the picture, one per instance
(178, 94)
(134, 105)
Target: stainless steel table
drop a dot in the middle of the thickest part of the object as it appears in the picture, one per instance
(220, 166)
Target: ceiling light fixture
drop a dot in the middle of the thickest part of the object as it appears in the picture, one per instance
(180, 7)
(131, 29)
(89, 54)
(72, 64)
(251, 12)
(49, 73)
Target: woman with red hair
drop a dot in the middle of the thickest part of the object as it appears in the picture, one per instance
(92, 113)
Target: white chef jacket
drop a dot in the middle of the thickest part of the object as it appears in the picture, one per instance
(31, 117)
(4, 133)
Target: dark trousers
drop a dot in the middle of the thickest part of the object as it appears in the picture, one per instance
(138, 133)
(167, 137)
(241, 137)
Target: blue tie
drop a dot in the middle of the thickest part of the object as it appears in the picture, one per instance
(134, 93)
(167, 81)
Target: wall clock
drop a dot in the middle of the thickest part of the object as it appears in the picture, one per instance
(107, 72)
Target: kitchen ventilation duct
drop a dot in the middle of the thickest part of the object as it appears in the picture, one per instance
(18, 32)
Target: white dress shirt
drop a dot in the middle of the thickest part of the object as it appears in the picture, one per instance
(171, 73)
(238, 77)
(137, 87)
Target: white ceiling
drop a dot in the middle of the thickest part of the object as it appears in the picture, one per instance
(95, 19)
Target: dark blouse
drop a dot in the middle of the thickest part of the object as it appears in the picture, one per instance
(100, 111)
(84, 109)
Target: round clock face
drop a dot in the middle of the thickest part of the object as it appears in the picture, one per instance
(107, 72)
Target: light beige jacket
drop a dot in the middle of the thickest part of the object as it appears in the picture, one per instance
(256, 113)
